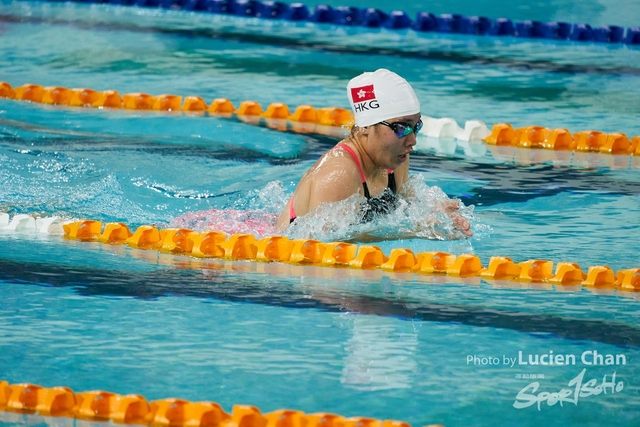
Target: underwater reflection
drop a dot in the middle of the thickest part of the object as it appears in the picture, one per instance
(378, 356)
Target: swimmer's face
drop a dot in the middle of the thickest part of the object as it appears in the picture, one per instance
(393, 140)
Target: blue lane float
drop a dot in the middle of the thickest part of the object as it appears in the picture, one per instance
(395, 20)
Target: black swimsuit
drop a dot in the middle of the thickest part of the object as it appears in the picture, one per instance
(376, 206)
(384, 204)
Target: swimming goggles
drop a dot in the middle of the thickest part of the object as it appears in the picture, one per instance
(403, 129)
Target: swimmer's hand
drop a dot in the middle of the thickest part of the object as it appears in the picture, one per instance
(451, 208)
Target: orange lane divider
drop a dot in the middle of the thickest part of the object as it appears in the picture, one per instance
(6, 91)
(251, 112)
(339, 254)
(84, 97)
(57, 95)
(135, 409)
(216, 244)
(629, 279)
(568, 273)
(561, 139)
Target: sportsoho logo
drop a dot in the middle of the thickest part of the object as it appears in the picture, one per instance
(364, 98)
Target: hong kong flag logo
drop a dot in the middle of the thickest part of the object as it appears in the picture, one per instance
(362, 93)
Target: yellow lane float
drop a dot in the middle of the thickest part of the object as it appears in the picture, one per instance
(135, 409)
(303, 116)
(235, 247)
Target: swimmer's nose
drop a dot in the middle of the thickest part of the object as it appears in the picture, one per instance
(411, 140)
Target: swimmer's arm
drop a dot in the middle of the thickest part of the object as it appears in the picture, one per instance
(450, 206)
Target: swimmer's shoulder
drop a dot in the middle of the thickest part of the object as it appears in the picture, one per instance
(337, 163)
(334, 177)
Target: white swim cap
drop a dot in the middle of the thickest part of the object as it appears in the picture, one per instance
(380, 96)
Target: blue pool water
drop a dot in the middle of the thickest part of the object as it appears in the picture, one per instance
(367, 343)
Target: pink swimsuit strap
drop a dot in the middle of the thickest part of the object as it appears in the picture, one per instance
(355, 159)
(292, 211)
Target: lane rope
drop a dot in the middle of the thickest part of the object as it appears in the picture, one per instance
(328, 120)
(135, 409)
(561, 139)
(396, 20)
(235, 247)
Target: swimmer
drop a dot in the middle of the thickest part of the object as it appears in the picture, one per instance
(373, 160)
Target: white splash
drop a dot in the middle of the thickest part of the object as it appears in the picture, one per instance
(421, 214)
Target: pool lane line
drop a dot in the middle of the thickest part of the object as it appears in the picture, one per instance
(398, 20)
(217, 244)
(304, 119)
(324, 46)
(328, 120)
(561, 139)
(234, 282)
(135, 409)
